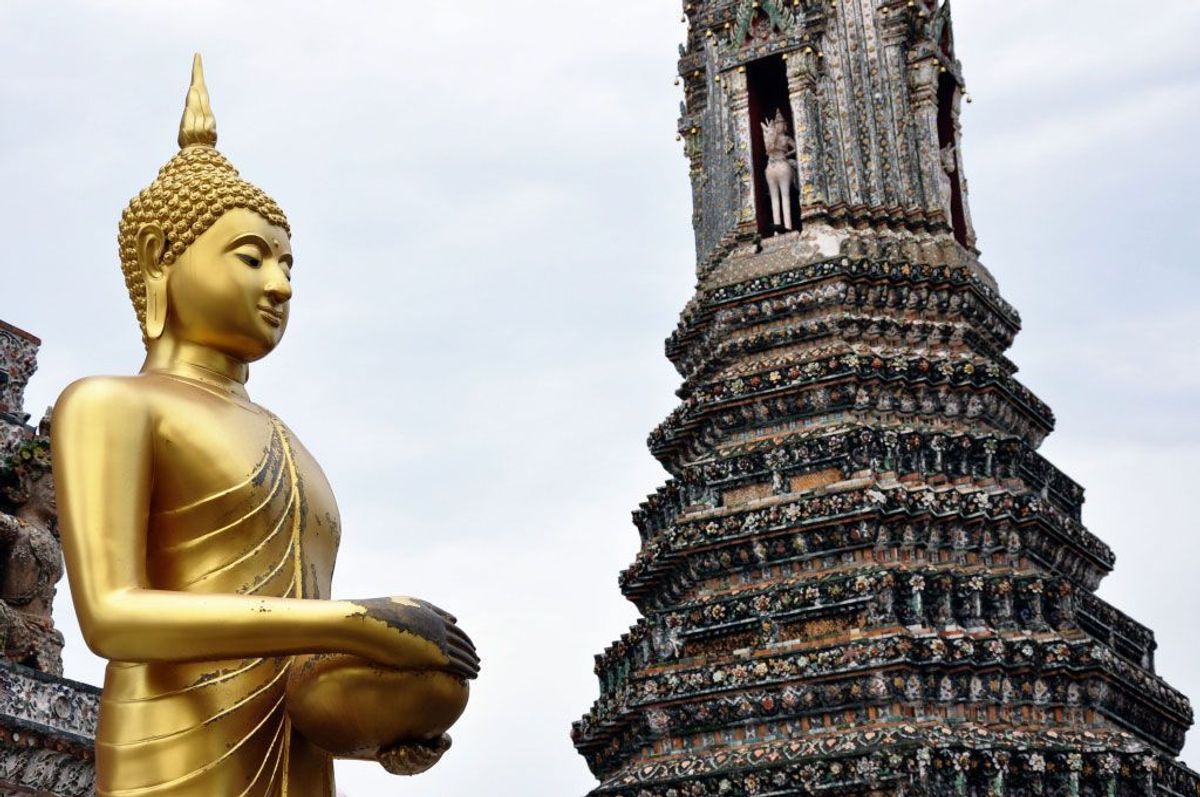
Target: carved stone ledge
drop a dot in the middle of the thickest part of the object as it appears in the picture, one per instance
(47, 725)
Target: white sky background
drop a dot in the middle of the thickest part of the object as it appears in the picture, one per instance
(492, 237)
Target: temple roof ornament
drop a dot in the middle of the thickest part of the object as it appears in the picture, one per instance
(780, 16)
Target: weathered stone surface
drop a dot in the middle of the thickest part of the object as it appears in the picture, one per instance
(47, 723)
(18, 361)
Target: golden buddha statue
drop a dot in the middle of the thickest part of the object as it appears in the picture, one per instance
(200, 535)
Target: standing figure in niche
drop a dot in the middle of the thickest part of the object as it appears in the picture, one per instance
(200, 535)
(30, 561)
(781, 172)
(948, 155)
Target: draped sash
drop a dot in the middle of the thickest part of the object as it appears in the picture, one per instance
(213, 728)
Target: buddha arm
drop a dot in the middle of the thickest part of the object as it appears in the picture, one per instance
(103, 464)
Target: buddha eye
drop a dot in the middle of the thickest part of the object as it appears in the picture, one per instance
(249, 260)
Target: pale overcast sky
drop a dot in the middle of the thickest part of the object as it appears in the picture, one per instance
(492, 238)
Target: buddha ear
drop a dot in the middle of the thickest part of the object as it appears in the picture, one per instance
(151, 244)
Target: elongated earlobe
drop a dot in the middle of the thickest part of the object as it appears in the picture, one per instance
(151, 244)
(156, 309)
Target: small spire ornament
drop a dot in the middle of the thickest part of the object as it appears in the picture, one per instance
(198, 127)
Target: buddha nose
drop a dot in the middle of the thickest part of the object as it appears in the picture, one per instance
(278, 290)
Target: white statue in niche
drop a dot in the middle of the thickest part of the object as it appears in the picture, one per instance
(782, 173)
(949, 159)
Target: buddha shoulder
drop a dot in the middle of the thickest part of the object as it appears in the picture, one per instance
(97, 397)
(124, 399)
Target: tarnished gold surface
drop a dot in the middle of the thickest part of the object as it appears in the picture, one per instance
(200, 535)
(351, 707)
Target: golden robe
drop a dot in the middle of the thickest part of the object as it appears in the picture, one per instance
(220, 728)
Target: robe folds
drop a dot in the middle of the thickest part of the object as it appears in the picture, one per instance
(220, 728)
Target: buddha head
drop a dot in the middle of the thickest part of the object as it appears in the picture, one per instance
(206, 255)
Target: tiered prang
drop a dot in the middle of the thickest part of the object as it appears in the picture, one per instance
(862, 577)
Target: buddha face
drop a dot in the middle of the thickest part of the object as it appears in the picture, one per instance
(230, 289)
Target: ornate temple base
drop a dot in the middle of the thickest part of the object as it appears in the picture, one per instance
(47, 724)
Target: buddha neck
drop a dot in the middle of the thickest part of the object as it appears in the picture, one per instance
(169, 355)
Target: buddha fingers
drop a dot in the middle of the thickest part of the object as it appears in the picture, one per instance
(466, 661)
(445, 615)
(460, 636)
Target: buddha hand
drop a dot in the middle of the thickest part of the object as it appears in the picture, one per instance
(413, 758)
(413, 634)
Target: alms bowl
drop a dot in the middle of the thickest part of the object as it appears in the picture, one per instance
(352, 708)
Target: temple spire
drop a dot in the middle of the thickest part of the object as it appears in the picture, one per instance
(862, 579)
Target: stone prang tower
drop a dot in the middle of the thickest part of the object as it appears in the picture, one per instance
(862, 578)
